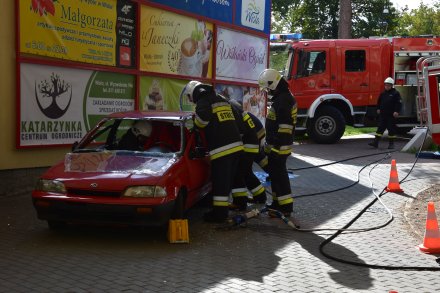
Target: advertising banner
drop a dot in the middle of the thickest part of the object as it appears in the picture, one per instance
(59, 105)
(162, 94)
(216, 9)
(240, 57)
(175, 44)
(253, 14)
(126, 34)
(252, 99)
(86, 31)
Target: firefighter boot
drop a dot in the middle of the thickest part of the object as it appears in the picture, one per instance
(375, 142)
(239, 203)
(286, 209)
(261, 198)
(391, 144)
(216, 215)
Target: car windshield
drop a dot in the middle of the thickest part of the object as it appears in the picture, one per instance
(162, 138)
(142, 146)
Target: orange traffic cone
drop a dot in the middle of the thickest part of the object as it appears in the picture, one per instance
(431, 241)
(393, 184)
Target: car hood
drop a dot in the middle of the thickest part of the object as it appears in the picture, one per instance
(130, 163)
(112, 170)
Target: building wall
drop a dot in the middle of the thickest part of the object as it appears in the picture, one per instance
(34, 157)
(10, 157)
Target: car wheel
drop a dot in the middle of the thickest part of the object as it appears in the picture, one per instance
(179, 206)
(56, 225)
(327, 126)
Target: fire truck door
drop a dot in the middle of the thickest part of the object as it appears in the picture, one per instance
(433, 103)
(311, 74)
(355, 77)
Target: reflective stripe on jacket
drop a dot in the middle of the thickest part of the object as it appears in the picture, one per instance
(280, 123)
(214, 115)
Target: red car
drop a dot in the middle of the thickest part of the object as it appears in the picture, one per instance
(104, 181)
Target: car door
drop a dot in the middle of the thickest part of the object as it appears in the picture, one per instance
(196, 158)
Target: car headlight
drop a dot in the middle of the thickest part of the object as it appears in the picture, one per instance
(145, 191)
(50, 186)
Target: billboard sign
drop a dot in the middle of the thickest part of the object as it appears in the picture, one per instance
(59, 105)
(175, 44)
(254, 14)
(98, 32)
(216, 9)
(240, 57)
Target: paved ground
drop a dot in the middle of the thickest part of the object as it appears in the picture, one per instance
(265, 256)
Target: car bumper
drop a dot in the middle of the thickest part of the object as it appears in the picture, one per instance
(80, 212)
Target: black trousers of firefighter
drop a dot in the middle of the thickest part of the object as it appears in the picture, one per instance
(387, 122)
(245, 180)
(262, 160)
(280, 182)
(223, 172)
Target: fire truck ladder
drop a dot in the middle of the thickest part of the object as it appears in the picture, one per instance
(422, 106)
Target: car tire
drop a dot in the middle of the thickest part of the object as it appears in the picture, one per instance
(327, 126)
(179, 206)
(56, 225)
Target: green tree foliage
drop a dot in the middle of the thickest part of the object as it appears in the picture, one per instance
(315, 19)
(421, 21)
(370, 20)
(318, 19)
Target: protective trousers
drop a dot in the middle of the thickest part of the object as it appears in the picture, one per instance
(246, 180)
(239, 189)
(387, 122)
(261, 160)
(223, 171)
(281, 190)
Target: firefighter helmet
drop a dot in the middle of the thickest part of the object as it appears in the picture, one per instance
(269, 79)
(142, 127)
(389, 80)
(189, 89)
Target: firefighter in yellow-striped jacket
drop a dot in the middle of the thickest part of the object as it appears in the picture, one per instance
(280, 129)
(245, 179)
(214, 115)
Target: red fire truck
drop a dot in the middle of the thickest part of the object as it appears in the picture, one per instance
(428, 72)
(337, 82)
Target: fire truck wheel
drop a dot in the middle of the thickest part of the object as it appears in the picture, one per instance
(327, 126)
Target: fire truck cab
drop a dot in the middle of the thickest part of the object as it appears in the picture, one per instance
(337, 82)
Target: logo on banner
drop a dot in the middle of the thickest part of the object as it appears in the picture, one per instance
(43, 6)
(124, 56)
(252, 14)
(126, 9)
(56, 91)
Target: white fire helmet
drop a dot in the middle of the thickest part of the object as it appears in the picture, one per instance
(389, 80)
(142, 127)
(269, 79)
(189, 89)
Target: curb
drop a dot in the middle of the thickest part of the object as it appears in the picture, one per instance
(407, 207)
